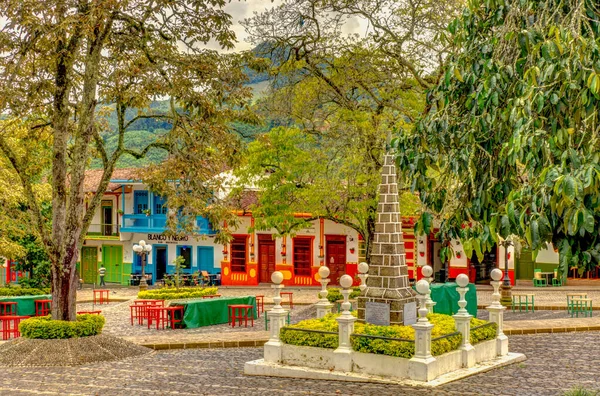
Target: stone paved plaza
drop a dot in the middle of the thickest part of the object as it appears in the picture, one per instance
(556, 362)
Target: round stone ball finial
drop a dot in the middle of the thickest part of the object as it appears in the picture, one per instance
(277, 277)
(422, 287)
(346, 281)
(427, 271)
(363, 268)
(324, 272)
(462, 280)
(496, 274)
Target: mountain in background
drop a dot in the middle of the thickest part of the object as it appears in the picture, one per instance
(145, 131)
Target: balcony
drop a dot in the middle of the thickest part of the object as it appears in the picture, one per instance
(103, 232)
(157, 223)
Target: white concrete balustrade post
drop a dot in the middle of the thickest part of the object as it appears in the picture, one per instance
(463, 322)
(343, 353)
(423, 366)
(427, 272)
(363, 268)
(276, 318)
(323, 306)
(496, 311)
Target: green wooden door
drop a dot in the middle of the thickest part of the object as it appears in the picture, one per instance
(89, 264)
(112, 258)
(525, 265)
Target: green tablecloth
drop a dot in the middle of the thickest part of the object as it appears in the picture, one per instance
(26, 304)
(446, 298)
(212, 311)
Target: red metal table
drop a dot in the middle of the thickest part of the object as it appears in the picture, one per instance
(43, 307)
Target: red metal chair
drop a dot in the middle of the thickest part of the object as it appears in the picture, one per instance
(239, 312)
(8, 308)
(43, 307)
(101, 296)
(290, 298)
(260, 304)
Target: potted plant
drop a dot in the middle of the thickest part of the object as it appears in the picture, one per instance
(120, 212)
(147, 212)
(351, 250)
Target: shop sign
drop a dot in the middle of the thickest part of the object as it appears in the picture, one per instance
(167, 238)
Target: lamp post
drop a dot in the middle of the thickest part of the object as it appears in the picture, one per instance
(143, 250)
(506, 287)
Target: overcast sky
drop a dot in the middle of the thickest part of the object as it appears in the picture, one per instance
(245, 9)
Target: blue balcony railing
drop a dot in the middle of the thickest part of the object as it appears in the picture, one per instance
(157, 224)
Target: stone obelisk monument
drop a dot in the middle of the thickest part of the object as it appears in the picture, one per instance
(388, 290)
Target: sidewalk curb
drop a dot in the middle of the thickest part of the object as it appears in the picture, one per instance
(541, 308)
(205, 345)
(545, 330)
(110, 300)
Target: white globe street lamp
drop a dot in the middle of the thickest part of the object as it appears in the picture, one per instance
(143, 249)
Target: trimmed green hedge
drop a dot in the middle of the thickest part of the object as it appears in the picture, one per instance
(442, 325)
(171, 293)
(44, 327)
(484, 333)
(22, 291)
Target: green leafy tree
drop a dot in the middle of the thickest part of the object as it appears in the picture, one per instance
(346, 94)
(66, 64)
(510, 144)
(35, 262)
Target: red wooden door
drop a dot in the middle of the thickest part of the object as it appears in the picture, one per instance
(335, 256)
(266, 258)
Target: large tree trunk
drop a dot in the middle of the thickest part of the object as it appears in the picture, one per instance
(64, 287)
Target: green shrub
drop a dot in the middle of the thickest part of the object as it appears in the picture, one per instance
(293, 337)
(168, 293)
(442, 326)
(581, 391)
(22, 291)
(45, 328)
(335, 294)
(484, 333)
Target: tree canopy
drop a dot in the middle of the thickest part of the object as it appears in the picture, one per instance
(64, 62)
(343, 94)
(510, 144)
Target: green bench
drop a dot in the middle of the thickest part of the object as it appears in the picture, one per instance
(523, 300)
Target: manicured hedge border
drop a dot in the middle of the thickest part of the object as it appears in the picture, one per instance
(46, 328)
(171, 293)
(443, 326)
(22, 291)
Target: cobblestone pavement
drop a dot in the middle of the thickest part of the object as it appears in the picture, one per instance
(556, 362)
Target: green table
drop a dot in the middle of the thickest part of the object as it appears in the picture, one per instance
(26, 304)
(446, 298)
(212, 311)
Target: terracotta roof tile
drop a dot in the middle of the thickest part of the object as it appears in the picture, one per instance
(93, 177)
